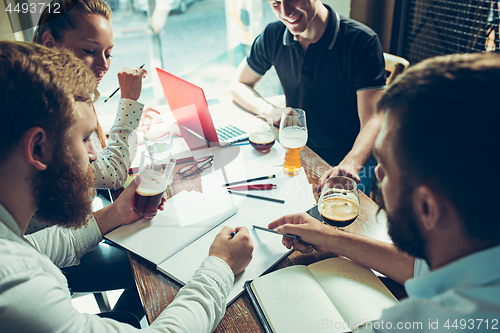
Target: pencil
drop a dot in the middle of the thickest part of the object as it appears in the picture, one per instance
(249, 180)
(107, 99)
(275, 232)
(257, 197)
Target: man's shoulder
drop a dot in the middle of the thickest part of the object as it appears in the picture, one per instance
(352, 27)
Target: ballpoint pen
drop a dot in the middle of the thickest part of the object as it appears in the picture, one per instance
(259, 187)
(257, 197)
(107, 99)
(275, 232)
(249, 180)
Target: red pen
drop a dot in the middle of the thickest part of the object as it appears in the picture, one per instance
(260, 187)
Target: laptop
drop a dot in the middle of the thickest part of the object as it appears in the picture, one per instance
(190, 109)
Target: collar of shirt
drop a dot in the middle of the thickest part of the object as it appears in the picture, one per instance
(477, 269)
(329, 36)
(10, 223)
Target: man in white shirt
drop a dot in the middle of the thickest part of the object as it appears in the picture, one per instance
(46, 151)
(441, 123)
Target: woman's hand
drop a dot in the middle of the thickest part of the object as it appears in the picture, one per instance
(130, 81)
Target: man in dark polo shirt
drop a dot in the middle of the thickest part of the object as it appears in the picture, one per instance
(330, 66)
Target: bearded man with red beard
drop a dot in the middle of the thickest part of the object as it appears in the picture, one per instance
(47, 97)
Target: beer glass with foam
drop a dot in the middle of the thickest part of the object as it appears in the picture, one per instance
(262, 135)
(155, 174)
(339, 201)
(293, 137)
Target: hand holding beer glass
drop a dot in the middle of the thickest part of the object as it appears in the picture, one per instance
(262, 135)
(155, 174)
(293, 137)
(339, 201)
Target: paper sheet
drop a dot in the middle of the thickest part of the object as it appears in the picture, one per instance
(185, 217)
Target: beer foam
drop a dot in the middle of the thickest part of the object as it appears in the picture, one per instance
(339, 209)
(261, 137)
(152, 183)
(293, 137)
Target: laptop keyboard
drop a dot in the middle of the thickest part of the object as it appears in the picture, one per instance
(228, 132)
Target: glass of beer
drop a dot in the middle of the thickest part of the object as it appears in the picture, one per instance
(155, 174)
(339, 201)
(262, 135)
(293, 137)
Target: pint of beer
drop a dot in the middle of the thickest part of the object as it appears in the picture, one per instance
(339, 201)
(293, 137)
(155, 174)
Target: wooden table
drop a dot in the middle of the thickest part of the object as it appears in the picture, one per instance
(157, 290)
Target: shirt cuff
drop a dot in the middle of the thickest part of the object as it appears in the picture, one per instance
(88, 237)
(218, 270)
(129, 113)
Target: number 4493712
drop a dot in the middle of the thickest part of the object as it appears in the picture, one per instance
(33, 8)
(472, 324)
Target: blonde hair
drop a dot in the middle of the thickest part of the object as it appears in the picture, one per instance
(61, 16)
(66, 18)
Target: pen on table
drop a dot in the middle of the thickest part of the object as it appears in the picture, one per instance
(107, 99)
(275, 232)
(249, 180)
(260, 187)
(257, 197)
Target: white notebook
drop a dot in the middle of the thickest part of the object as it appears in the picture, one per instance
(186, 217)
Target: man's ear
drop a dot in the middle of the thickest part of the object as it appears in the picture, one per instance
(36, 147)
(427, 207)
(48, 40)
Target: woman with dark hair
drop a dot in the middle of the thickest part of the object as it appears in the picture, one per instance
(84, 28)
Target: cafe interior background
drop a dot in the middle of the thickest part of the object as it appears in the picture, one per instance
(203, 41)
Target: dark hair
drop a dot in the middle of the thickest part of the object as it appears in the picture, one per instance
(447, 135)
(66, 18)
(41, 89)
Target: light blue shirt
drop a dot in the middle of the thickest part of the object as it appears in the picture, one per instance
(461, 296)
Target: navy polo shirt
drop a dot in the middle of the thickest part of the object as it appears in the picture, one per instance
(324, 80)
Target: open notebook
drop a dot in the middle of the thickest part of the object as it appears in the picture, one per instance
(178, 225)
(334, 295)
(177, 240)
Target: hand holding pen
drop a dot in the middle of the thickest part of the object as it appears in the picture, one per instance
(235, 250)
(313, 234)
(130, 81)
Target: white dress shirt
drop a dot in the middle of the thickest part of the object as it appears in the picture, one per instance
(462, 296)
(34, 295)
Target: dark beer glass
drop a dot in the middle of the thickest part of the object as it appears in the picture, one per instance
(155, 174)
(339, 201)
(262, 135)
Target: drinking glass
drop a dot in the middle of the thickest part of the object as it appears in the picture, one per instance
(158, 144)
(155, 174)
(339, 201)
(262, 135)
(293, 137)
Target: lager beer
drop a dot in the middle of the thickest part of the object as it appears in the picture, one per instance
(293, 139)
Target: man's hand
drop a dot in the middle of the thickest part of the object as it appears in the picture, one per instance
(347, 170)
(235, 251)
(120, 212)
(312, 233)
(130, 81)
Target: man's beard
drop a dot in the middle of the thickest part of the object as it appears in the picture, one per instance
(403, 227)
(63, 192)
